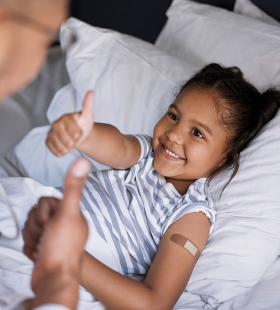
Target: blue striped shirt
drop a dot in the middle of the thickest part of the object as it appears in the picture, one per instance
(132, 209)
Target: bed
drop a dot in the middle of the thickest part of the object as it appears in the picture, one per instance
(240, 267)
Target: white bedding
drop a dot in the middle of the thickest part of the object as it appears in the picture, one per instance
(264, 296)
(15, 268)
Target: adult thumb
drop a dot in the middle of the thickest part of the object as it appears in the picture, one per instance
(73, 186)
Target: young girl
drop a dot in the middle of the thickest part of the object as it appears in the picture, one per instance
(153, 209)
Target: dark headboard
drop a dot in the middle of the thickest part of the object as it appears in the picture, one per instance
(141, 18)
(271, 7)
(226, 4)
(144, 18)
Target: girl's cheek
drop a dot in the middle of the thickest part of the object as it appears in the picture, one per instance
(157, 129)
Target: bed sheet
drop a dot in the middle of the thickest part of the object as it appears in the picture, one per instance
(15, 268)
(264, 296)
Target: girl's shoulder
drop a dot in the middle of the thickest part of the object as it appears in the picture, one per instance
(201, 199)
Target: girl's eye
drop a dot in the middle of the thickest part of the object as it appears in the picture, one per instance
(172, 116)
(197, 133)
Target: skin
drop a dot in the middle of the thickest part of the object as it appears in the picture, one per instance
(191, 129)
(199, 152)
(23, 47)
(55, 277)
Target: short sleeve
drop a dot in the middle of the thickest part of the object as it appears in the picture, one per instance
(197, 199)
(145, 144)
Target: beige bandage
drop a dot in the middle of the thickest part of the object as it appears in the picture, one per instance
(186, 244)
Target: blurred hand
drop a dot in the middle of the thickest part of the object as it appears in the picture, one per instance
(72, 129)
(55, 234)
(35, 225)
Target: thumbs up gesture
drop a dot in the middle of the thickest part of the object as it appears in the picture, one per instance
(70, 130)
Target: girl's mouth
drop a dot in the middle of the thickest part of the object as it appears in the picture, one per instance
(168, 154)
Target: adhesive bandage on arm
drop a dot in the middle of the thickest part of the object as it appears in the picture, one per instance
(187, 244)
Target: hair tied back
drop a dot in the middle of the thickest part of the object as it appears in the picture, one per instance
(270, 103)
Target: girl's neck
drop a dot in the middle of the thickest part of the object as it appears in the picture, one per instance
(180, 185)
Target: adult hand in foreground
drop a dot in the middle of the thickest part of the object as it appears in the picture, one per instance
(57, 233)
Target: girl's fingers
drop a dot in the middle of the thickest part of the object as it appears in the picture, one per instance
(67, 131)
(74, 131)
(64, 134)
(64, 137)
(50, 147)
(55, 145)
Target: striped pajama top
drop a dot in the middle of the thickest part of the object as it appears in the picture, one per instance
(132, 209)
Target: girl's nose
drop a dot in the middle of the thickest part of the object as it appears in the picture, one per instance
(175, 135)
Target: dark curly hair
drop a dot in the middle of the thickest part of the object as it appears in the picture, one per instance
(245, 110)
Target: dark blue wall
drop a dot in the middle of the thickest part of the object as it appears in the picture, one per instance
(143, 18)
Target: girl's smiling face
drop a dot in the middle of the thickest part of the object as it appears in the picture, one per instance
(190, 140)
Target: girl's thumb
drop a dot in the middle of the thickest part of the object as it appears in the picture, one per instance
(87, 105)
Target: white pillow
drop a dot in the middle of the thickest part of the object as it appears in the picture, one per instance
(246, 7)
(32, 158)
(245, 240)
(132, 78)
(246, 236)
(134, 83)
(213, 34)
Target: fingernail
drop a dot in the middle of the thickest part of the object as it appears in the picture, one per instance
(81, 168)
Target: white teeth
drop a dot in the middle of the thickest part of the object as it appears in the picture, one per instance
(171, 153)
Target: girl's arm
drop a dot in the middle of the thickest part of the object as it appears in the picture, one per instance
(107, 145)
(167, 276)
(102, 142)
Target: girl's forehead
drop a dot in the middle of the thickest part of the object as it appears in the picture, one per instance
(204, 106)
(198, 100)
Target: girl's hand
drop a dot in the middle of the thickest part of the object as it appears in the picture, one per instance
(70, 130)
